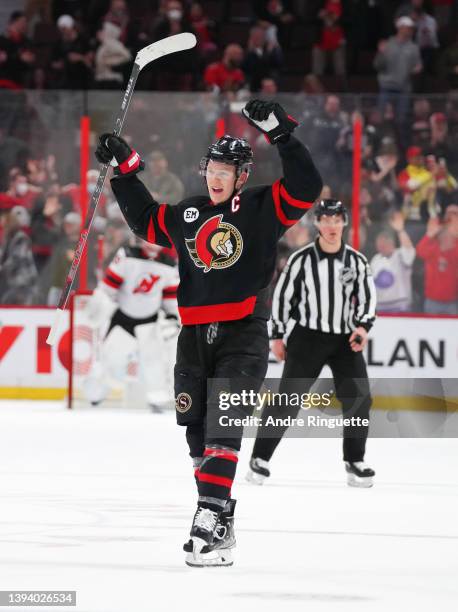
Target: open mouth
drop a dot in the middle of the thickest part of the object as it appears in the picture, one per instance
(217, 190)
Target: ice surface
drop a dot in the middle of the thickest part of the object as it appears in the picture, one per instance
(101, 501)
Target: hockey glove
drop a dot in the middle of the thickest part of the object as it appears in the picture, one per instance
(115, 150)
(271, 119)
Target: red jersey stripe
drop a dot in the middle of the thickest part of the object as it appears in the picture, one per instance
(114, 276)
(161, 221)
(110, 283)
(151, 234)
(194, 315)
(278, 210)
(213, 479)
(292, 201)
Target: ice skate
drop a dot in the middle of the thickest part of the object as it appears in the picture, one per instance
(359, 474)
(217, 552)
(258, 472)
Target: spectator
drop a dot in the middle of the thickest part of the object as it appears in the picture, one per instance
(445, 182)
(269, 87)
(448, 63)
(418, 187)
(202, 27)
(45, 226)
(62, 256)
(439, 251)
(426, 35)
(277, 16)
(111, 58)
(18, 274)
(441, 144)
(163, 184)
(72, 57)
(72, 191)
(322, 133)
(226, 75)
(262, 59)
(19, 192)
(392, 267)
(331, 45)
(420, 129)
(177, 73)
(397, 60)
(118, 15)
(13, 153)
(17, 58)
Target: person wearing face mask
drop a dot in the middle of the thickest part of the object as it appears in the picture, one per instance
(179, 72)
(226, 242)
(19, 192)
(326, 290)
(226, 75)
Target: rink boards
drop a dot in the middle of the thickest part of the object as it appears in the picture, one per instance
(400, 347)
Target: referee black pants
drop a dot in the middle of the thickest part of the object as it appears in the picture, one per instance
(307, 352)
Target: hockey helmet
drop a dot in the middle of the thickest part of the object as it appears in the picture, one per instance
(330, 207)
(229, 150)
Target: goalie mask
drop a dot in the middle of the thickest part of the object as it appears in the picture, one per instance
(228, 150)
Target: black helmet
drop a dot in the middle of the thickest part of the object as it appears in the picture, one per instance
(229, 150)
(330, 207)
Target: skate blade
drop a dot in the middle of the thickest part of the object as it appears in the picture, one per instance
(215, 558)
(254, 478)
(357, 481)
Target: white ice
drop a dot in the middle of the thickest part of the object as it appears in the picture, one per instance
(101, 502)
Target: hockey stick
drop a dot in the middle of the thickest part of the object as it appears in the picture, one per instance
(179, 42)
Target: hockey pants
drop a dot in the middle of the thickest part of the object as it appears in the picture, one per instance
(237, 353)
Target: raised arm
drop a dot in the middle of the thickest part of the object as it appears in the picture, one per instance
(147, 218)
(301, 183)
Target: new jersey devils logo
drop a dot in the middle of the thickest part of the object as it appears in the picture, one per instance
(216, 245)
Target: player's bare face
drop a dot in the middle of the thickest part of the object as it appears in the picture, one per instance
(220, 181)
(331, 230)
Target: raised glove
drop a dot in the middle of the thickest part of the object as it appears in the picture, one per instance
(126, 161)
(271, 119)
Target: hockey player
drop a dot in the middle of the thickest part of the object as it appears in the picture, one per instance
(327, 292)
(133, 291)
(226, 243)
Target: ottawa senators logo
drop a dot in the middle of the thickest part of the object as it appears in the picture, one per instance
(216, 245)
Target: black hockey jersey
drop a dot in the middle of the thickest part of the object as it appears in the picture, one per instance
(226, 252)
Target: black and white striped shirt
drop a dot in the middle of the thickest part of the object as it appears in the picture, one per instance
(329, 292)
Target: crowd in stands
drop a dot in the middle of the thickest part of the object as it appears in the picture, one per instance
(352, 44)
(409, 167)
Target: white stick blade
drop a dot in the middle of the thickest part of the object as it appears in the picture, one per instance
(52, 337)
(171, 44)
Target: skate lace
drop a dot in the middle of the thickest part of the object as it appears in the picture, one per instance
(361, 465)
(206, 519)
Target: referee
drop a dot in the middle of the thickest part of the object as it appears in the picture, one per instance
(326, 294)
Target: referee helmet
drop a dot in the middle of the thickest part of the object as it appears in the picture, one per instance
(330, 207)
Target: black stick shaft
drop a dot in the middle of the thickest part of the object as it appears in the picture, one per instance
(96, 195)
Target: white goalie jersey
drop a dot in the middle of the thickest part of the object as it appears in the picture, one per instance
(140, 285)
(127, 309)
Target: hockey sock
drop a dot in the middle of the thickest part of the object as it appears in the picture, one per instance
(215, 476)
